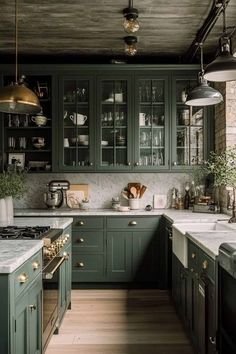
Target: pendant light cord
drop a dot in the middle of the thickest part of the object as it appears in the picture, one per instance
(201, 52)
(16, 39)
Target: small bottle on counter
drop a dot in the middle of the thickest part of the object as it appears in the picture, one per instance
(186, 199)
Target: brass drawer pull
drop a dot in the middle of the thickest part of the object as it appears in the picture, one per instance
(193, 255)
(80, 264)
(80, 240)
(32, 307)
(23, 278)
(133, 223)
(81, 223)
(204, 264)
(35, 265)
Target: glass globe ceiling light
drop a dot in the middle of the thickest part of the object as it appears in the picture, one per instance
(223, 68)
(131, 45)
(131, 24)
(17, 98)
(203, 94)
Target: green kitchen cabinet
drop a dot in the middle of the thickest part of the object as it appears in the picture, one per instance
(180, 288)
(76, 128)
(21, 314)
(132, 251)
(29, 142)
(114, 122)
(192, 128)
(28, 308)
(119, 256)
(152, 122)
(88, 249)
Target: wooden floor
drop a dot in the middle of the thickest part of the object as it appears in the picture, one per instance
(120, 322)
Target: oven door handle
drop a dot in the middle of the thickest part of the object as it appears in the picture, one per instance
(52, 267)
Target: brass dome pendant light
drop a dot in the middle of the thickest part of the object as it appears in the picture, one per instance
(223, 68)
(17, 98)
(203, 94)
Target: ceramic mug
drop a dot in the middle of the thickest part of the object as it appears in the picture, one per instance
(78, 119)
(142, 119)
(66, 142)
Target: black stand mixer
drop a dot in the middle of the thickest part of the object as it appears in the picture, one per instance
(56, 196)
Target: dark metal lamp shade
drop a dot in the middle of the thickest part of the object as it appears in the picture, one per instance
(18, 99)
(203, 95)
(223, 68)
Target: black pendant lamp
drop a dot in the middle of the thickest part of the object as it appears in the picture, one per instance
(17, 98)
(223, 68)
(203, 94)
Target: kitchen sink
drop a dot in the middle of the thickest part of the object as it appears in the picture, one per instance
(180, 241)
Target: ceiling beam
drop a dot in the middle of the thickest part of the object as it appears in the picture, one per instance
(204, 31)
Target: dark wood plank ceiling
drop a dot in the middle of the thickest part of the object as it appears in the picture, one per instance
(94, 27)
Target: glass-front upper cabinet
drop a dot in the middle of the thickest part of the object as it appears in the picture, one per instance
(152, 121)
(76, 140)
(188, 128)
(114, 124)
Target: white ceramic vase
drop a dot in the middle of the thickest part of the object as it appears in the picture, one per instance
(9, 209)
(3, 212)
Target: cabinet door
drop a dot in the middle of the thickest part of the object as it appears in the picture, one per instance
(28, 138)
(68, 275)
(188, 125)
(21, 325)
(76, 134)
(35, 317)
(114, 122)
(151, 123)
(119, 256)
(145, 256)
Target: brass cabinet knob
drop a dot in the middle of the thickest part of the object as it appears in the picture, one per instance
(81, 223)
(80, 264)
(90, 164)
(204, 264)
(136, 164)
(23, 278)
(32, 307)
(81, 240)
(133, 223)
(35, 265)
(174, 163)
(129, 163)
(193, 255)
(67, 236)
(66, 256)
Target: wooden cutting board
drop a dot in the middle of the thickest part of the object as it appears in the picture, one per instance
(76, 194)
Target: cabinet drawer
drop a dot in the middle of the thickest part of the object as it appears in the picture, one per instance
(87, 222)
(27, 272)
(87, 268)
(131, 223)
(88, 241)
(193, 256)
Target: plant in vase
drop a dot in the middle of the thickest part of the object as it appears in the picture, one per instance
(12, 185)
(223, 169)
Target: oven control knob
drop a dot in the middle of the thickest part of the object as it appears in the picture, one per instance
(67, 236)
(23, 278)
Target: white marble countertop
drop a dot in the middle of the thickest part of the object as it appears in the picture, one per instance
(55, 222)
(171, 214)
(211, 241)
(13, 253)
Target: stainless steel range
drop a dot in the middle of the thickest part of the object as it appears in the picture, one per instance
(227, 296)
(53, 257)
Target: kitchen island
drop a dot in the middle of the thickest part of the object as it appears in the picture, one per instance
(22, 288)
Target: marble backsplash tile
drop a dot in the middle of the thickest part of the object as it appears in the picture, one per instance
(103, 186)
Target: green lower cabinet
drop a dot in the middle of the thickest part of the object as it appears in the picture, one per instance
(145, 256)
(65, 282)
(28, 313)
(87, 268)
(119, 256)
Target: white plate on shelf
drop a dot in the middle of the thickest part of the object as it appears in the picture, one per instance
(111, 99)
(123, 208)
(84, 142)
(104, 143)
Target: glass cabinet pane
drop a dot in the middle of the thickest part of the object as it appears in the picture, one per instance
(76, 126)
(189, 127)
(151, 122)
(113, 123)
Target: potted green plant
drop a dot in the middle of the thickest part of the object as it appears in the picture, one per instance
(12, 185)
(223, 169)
